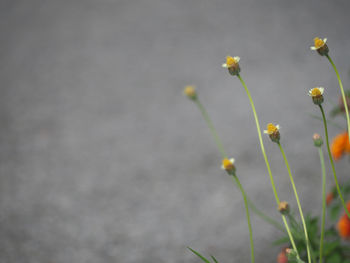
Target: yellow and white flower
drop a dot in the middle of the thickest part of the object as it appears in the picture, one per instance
(316, 92)
(231, 62)
(190, 92)
(318, 43)
(271, 129)
(228, 165)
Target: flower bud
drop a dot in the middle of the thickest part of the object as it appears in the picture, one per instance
(232, 65)
(317, 95)
(283, 208)
(318, 142)
(273, 132)
(228, 166)
(320, 46)
(190, 92)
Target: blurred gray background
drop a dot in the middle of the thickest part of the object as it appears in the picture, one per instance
(104, 160)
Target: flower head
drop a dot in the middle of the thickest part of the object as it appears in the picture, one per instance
(318, 142)
(320, 46)
(283, 207)
(317, 95)
(232, 65)
(340, 146)
(190, 92)
(329, 198)
(343, 225)
(273, 132)
(282, 256)
(228, 165)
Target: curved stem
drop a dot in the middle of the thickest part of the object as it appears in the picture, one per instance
(342, 93)
(220, 146)
(267, 161)
(323, 201)
(248, 217)
(332, 162)
(298, 202)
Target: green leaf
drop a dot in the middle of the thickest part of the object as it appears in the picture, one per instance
(330, 246)
(215, 261)
(199, 255)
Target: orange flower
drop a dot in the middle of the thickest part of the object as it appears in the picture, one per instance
(340, 145)
(344, 224)
(282, 256)
(329, 198)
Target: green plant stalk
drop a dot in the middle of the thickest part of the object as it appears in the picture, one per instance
(323, 202)
(248, 217)
(332, 162)
(223, 153)
(342, 93)
(298, 202)
(267, 161)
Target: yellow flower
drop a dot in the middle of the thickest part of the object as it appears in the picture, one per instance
(320, 46)
(231, 62)
(317, 95)
(318, 43)
(271, 129)
(190, 92)
(232, 65)
(283, 207)
(273, 132)
(228, 165)
(316, 92)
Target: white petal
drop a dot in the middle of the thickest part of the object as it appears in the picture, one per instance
(277, 126)
(222, 167)
(224, 65)
(321, 90)
(237, 59)
(313, 48)
(232, 160)
(325, 40)
(266, 132)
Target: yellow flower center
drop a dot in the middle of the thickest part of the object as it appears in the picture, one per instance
(318, 42)
(271, 128)
(227, 164)
(230, 61)
(190, 91)
(315, 92)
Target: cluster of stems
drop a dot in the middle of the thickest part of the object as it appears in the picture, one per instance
(234, 69)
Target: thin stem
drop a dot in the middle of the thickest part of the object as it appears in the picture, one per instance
(342, 93)
(220, 146)
(248, 217)
(332, 162)
(212, 128)
(323, 201)
(267, 161)
(298, 202)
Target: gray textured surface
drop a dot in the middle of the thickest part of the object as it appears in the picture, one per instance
(104, 160)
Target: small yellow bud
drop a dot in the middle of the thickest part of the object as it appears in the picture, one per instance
(273, 132)
(190, 92)
(228, 165)
(283, 207)
(320, 46)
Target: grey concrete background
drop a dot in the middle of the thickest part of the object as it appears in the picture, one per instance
(104, 160)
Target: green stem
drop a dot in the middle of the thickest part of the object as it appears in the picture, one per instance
(211, 127)
(323, 201)
(342, 93)
(248, 217)
(222, 151)
(298, 202)
(267, 162)
(332, 162)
